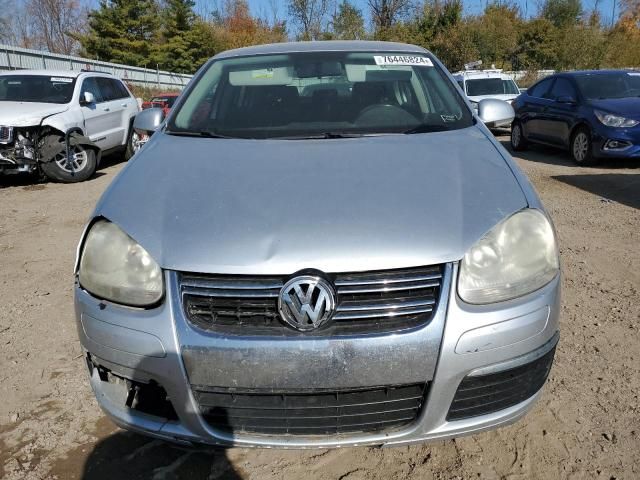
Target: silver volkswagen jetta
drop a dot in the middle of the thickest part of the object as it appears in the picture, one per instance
(323, 245)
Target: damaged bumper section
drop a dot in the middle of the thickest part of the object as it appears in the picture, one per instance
(25, 149)
(159, 372)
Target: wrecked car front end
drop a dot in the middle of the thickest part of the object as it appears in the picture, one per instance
(18, 149)
(27, 149)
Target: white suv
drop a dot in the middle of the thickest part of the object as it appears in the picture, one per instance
(59, 123)
(480, 84)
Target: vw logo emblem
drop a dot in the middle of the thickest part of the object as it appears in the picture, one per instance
(306, 302)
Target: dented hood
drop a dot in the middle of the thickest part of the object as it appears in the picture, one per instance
(26, 114)
(279, 206)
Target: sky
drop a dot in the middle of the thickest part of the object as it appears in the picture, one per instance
(264, 8)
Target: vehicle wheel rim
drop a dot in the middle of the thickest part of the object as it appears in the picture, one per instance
(137, 142)
(580, 146)
(79, 160)
(515, 136)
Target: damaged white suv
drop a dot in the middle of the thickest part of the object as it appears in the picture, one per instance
(59, 123)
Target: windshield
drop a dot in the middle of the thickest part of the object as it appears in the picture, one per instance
(36, 88)
(601, 86)
(491, 86)
(320, 93)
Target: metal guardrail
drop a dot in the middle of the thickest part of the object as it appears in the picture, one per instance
(16, 58)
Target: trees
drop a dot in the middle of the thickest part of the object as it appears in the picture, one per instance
(183, 44)
(496, 33)
(235, 27)
(385, 13)
(310, 17)
(122, 31)
(348, 23)
(53, 23)
(562, 13)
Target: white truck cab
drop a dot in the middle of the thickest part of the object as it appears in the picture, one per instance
(60, 122)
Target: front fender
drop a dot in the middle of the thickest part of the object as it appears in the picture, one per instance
(65, 121)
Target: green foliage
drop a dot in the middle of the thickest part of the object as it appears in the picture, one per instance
(122, 31)
(183, 44)
(168, 33)
(562, 13)
(348, 23)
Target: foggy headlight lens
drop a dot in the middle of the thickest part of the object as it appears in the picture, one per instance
(517, 257)
(114, 267)
(611, 120)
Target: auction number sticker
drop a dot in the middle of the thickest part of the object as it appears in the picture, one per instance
(61, 79)
(264, 73)
(403, 60)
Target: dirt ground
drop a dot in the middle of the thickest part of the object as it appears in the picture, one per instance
(587, 424)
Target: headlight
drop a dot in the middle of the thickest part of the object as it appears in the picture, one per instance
(611, 120)
(515, 258)
(114, 267)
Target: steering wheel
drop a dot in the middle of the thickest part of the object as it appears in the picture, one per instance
(385, 113)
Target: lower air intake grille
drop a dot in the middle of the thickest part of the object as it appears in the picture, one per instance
(311, 412)
(6, 134)
(484, 394)
(376, 301)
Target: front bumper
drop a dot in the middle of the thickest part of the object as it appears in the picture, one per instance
(603, 136)
(461, 340)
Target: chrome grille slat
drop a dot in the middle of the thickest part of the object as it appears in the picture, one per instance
(378, 301)
(232, 285)
(391, 288)
(350, 306)
(383, 314)
(350, 281)
(212, 292)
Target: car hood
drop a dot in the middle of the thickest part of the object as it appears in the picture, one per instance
(337, 205)
(506, 97)
(627, 107)
(25, 114)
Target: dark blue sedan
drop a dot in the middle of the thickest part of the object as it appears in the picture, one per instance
(593, 114)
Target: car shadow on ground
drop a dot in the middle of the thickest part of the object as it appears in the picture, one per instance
(32, 180)
(125, 455)
(621, 188)
(557, 156)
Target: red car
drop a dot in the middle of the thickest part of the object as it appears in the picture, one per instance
(164, 101)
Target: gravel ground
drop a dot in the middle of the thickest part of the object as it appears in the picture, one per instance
(587, 424)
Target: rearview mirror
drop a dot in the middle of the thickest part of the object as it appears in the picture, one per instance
(87, 98)
(148, 121)
(495, 112)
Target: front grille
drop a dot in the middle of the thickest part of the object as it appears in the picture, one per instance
(6, 134)
(379, 301)
(484, 394)
(311, 412)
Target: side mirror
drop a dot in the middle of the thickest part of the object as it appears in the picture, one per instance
(148, 121)
(567, 99)
(87, 99)
(495, 112)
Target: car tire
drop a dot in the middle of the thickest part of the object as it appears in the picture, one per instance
(518, 142)
(132, 139)
(581, 147)
(83, 167)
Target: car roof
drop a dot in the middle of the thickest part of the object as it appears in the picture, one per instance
(323, 46)
(55, 73)
(594, 72)
(468, 74)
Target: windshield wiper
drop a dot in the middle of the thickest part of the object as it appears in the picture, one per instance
(321, 136)
(187, 133)
(426, 128)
